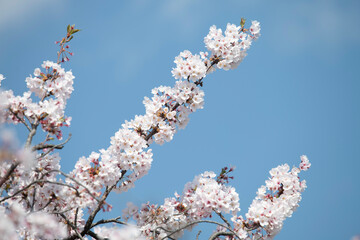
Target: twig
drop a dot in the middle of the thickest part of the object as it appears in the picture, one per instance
(62, 212)
(76, 215)
(72, 226)
(31, 134)
(197, 235)
(104, 221)
(38, 182)
(33, 200)
(9, 172)
(218, 234)
(88, 224)
(51, 146)
(77, 182)
(94, 235)
(91, 218)
(223, 218)
(20, 119)
(201, 221)
(47, 204)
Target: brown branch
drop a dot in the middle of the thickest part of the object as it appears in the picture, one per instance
(41, 146)
(9, 172)
(88, 224)
(104, 221)
(218, 234)
(77, 182)
(31, 134)
(152, 133)
(38, 182)
(198, 235)
(200, 221)
(72, 226)
(94, 235)
(20, 119)
(223, 218)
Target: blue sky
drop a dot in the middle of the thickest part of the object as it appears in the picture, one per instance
(297, 92)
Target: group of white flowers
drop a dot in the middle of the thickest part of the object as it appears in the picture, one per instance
(129, 158)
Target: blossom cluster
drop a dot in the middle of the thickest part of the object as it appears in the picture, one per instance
(37, 197)
(200, 199)
(53, 86)
(11, 153)
(126, 233)
(15, 224)
(278, 198)
(128, 157)
(167, 110)
(230, 50)
(205, 196)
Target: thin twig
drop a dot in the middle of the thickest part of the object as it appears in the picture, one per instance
(218, 234)
(92, 216)
(104, 221)
(47, 204)
(38, 182)
(20, 119)
(201, 221)
(76, 215)
(72, 226)
(64, 211)
(77, 182)
(33, 200)
(198, 235)
(223, 218)
(9, 172)
(51, 147)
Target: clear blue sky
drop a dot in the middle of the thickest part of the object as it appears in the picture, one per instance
(297, 92)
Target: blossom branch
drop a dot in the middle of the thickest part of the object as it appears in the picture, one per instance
(20, 119)
(39, 182)
(223, 218)
(201, 221)
(104, 221)
(218, 234)
(72, 226)
(77, 182)
(31, 134)
(94, 235)
(51, 147)
(8, 173)
(88, 224)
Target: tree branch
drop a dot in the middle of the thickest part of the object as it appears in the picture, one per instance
(94, 235)
(223, 218)
(9, 172)
(71, 225)
(200, 221)
(77, 182)
(104, 221)
(38, 182)
(20, 119)
(31, 134)
(218, 234)
(51, 146)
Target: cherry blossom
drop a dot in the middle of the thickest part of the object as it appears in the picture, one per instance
(40, 201)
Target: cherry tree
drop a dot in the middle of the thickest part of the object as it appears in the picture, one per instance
(40, 201)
